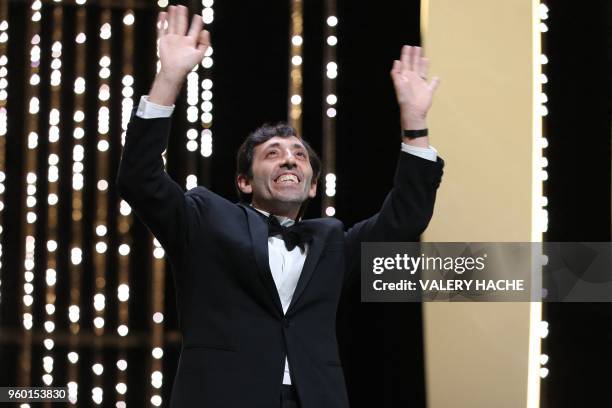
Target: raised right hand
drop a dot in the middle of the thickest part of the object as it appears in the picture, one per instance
(180, 50)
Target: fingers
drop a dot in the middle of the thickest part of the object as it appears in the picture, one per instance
(412, 60)
(396, 68)
(195, 28)
(172, 12)
(182, 20)
(423, 68)
(415, 58)
(203, 40)
(162, 24)
(405, 59)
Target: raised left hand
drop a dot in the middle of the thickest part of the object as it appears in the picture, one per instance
(414, 94)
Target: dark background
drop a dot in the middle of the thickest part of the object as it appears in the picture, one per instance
(579, 47)
(383, 359)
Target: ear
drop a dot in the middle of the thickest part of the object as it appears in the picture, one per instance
(244, 184)
(312, 192)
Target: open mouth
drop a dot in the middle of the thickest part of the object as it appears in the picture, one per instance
(286, 179)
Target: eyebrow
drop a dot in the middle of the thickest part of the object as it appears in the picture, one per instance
(277, 144)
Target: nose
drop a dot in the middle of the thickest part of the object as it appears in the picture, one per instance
(289, 159)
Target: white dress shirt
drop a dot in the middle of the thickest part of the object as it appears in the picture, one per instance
(286, 266)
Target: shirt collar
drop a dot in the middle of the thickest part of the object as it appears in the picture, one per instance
(284, 221)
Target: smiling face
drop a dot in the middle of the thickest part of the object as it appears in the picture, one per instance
(282, 176)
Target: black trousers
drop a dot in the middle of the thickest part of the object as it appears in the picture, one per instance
(289, 397)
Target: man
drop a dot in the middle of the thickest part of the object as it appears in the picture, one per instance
(257, 288)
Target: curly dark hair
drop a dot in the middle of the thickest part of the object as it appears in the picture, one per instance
(244, 157)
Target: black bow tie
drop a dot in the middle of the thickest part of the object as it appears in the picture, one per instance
(298, 234)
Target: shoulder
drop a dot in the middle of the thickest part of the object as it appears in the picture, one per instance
(204, 199)
(327, 223)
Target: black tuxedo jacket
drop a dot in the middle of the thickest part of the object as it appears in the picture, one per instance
(235, 335)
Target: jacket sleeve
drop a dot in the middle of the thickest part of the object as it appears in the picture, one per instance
(142, 182)
(406, 211)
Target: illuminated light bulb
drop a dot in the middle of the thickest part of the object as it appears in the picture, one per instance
(296, 60)
(158, 317)
(123, 292)
(73, 358)
(51, 245)
(122, 365)
(121, 388)
(98, 368)
(50, 277)
(296, 99)
(48, 344)
(99, 302)
(330, 211)
(102, 185)
(159, 253)
(31, 218)
(103, 145)
(332, 21)
(76, 256)
(96, 395)
(332, 40)
(157, 353)
(207, 62)
(208, 15)
(124, 249)
(50, 308)
(192, 145)
(101, 230)
(99, 322)
(49, 326)
(128, 19)
(206, 117)
(122, 330)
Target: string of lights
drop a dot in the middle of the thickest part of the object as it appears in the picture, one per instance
(53, 190)
(30, 158)
(329, 122)
(124, 221)
(538, 327)
(76, 245)
(101, 200)
(157, 302)
(3, 117)
(295, 66)
(206, 136)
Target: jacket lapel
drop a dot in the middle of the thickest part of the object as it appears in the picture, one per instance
(314, 253)
(259, 240)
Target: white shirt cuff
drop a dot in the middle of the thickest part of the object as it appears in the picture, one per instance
(150, 110)
(427, 153)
